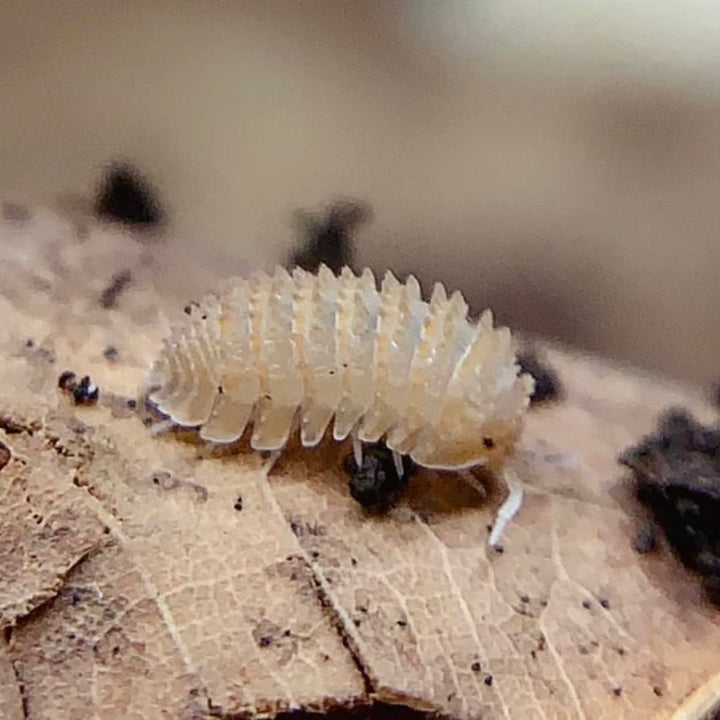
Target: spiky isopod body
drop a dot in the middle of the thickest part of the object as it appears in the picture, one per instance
(306, 349)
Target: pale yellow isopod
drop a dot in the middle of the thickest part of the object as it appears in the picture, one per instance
(308, 350)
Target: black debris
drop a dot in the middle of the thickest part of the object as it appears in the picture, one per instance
(586, 604)
(15, 212)
(488, 680)
(646, 539)
(475, 667)
(363, 711)
(376, 485)
(83, 392)
(328, 238)
(110, 353)
(118, 282)
(238, 503)
(605, 603)
(40, 354)
(126, 196)
(547, 383)
(12, 427)
(617, 691)
(67, 380)
(5, 454)
(715, 393)
(677, 476)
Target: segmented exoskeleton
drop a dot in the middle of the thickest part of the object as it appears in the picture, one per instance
(306, 350)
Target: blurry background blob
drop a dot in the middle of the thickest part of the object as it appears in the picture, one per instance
(559, 161)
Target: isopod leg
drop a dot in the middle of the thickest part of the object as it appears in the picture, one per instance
(262, 478)
(357, 450)
(474, 483)
(507, 511)
(269, 463)
(397, 459)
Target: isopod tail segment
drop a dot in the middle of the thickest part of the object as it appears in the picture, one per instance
(315, 350)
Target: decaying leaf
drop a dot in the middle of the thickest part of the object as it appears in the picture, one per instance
(174, 581)
(46, 527)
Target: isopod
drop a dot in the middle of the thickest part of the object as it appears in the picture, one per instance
(287, 350)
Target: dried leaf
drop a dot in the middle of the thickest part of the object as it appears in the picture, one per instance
(215, 593)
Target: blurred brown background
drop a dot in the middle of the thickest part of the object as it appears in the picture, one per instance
(559, 161)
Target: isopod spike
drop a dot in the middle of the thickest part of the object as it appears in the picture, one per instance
(486, 320)
(356, 328)
(194, 407)
(228, 420)
(347, 417)
(439, 296)
(272, 426)
(402, 439)
(413, 287)
(163, 379)
(390, 283)
(380, 417)
(282, 275)
(313, 425)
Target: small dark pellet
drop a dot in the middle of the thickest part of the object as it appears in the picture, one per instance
(126, 196)
(646, 539)
(66, 381)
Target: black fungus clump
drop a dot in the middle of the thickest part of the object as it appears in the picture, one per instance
(376, 485)
(327, 239)
(117, 285)
(547, 383)
(677, 476)
(126, 196)
(83, 391)
(15, 212)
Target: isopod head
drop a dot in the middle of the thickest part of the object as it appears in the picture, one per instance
(460, 442)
